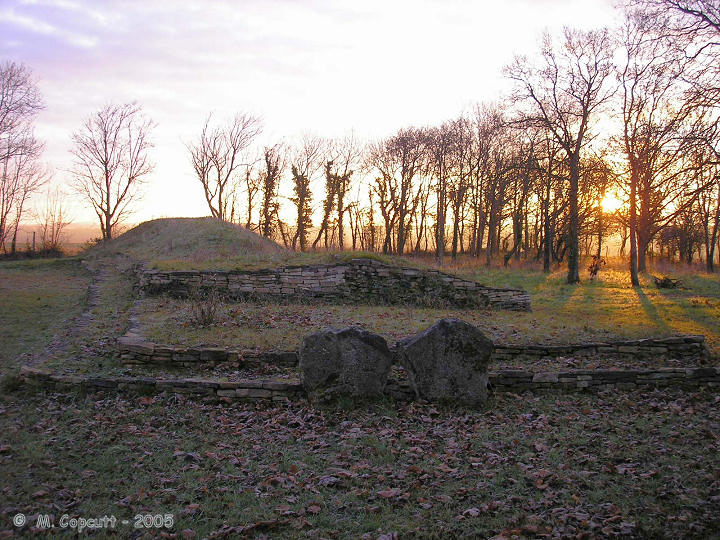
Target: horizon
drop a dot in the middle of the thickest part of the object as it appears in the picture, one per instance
(313, 68)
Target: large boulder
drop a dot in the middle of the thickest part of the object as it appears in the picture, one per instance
(448, 362)
(351, 361)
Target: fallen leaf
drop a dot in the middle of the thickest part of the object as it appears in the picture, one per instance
(389, 493)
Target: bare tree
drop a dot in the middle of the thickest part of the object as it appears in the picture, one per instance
(111, 161)
(440, 157)
(252, 184)
(399, 160)
(218, 159)
(346, 159)
(53, 219)
(20, 99)
(658, 113)
(523, 170)
(328, 205)
(687, 16)
(563, 94)
(708, 204)
(21, 174)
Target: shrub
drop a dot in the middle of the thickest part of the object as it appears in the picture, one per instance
(206, 307)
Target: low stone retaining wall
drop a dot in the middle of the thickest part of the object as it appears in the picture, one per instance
(686, 347)
(359, 280)
(255, 390)
(134, 351)
(501, 381)
(514, 380)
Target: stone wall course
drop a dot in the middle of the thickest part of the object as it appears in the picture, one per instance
(359, 280)
(267, 390)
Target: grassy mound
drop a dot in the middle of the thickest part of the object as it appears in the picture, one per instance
(210, 244)
(191, 243)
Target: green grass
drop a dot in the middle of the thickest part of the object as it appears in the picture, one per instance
(38, 298)
(642, 462)
(603, 310)
(610, 304)
(92, 348)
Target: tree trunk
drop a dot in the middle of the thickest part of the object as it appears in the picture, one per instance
(440, 236)
(456, 231)
(108, 228)
(642, 247)
(633, 232)
(573, 239)
(710, 257)
(600, 232)
(547, 251)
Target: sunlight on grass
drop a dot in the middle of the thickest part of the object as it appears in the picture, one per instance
(601, 310)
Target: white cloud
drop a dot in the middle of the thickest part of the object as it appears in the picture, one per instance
(42, 27)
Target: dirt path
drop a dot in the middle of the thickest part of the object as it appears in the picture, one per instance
(77, 327)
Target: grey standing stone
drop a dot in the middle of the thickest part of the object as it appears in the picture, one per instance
(350, 361)
(448, 362)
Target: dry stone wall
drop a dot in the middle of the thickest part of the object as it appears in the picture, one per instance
(274, 391)
(603, 379)
(247, 390)
(359, 280)
(134, 351)
(676, 347)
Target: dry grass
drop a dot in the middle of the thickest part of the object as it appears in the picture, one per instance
(605, 309)
(641, 464)
(629, 465)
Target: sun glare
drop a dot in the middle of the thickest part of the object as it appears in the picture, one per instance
(611, 203)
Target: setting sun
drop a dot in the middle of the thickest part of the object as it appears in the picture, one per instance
(611, 203)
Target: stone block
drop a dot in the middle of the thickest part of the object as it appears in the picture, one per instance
(448, 362)
(546, 377)
(350, 361)
(213, 354)
(253, 393)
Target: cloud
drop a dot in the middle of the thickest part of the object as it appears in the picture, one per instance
(37, 26)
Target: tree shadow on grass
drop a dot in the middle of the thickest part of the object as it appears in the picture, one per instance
(698, 314)
(652, 311)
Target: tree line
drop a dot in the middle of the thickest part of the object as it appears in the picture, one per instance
(631, 112)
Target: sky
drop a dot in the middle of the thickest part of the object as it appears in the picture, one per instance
(313, 66)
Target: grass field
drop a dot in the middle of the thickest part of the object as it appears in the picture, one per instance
(637, 464)
(38, 298)
(604, 309)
